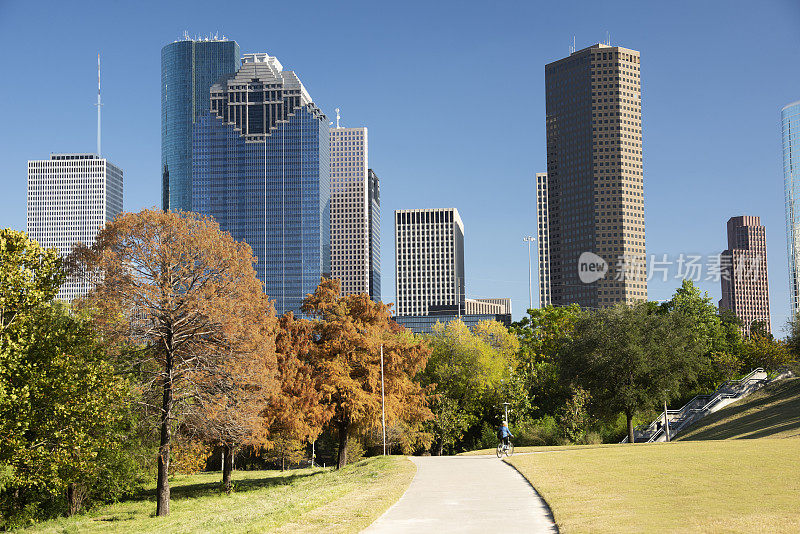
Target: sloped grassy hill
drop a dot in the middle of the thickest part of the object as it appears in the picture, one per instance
(771, 412)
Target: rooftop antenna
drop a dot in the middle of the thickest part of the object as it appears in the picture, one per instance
(572, 48)
(337, 118)
(99, 104)
(608, 38)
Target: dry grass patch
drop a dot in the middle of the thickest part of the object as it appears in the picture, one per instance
(702, 486)
(307, 500)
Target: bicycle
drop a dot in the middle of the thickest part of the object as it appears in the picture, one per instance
(502, 449)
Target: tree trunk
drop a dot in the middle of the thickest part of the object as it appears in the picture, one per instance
(344, 431)
(227, 468)
(629, 417)
(162, 483)
(441, 448)
(73, 501)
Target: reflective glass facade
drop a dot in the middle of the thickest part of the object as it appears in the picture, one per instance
(790, 128)
(374, 206)
(188, 70)
(261, 168)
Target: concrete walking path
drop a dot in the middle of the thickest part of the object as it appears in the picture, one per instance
(466, 494)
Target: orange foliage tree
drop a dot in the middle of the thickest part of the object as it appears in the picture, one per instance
(348, 334)
(180, 298)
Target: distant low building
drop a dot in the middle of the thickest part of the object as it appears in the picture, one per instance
(423, 324)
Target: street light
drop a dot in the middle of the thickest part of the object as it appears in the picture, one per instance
(530, 239)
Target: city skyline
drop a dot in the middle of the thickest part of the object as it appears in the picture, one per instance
(493, 189)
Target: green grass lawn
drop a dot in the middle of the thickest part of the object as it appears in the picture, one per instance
(691, 486)
(318, 500)
(773, 411)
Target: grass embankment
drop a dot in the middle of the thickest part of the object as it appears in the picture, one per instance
(773, 411)
(307, 500)
(692, 486)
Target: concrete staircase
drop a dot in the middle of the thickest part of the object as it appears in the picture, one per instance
(699, 407)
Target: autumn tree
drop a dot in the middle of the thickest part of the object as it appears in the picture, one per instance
(348, 334)
(228, 404)
(178, 297)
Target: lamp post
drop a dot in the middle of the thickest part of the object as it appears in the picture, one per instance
(383, 405)
(530, 239)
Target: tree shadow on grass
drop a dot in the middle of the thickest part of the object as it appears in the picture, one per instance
(208, 489)
(774, 410)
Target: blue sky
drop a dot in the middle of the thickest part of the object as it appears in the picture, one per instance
(453, 96)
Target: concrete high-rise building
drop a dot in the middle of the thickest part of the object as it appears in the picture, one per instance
(743, 272)
(189, 68)
(790, 130)
(429, 261)
(70, 198)
(355, 213)
(543, 239)
(261, 168)
(595, 187)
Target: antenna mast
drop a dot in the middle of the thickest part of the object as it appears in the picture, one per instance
(337, 118)
(99, 104)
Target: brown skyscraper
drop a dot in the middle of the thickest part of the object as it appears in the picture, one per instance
(594, 175)
(743, 271)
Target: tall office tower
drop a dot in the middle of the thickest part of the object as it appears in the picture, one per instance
(543, 237)
(261, 168)
(354, 188)
(790, 127)
(595, 189)
(429, 261)
(188, 70)
(374, 236)
(70, 198)
(745, 289)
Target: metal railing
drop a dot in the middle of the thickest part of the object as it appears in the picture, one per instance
(698, 407)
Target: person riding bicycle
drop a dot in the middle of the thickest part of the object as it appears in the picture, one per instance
(504, 434)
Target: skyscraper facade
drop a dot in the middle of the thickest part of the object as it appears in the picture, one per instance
(790, 130)
(188, 70)
(429, 261)
(543, 239)
(354, 220)
(70, 198)
(743, 272)
(374, 198)
(595, 186)
(261, 168)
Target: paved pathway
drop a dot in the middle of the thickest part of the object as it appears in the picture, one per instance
(465, 494)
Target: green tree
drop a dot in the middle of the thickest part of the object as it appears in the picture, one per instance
(62, 411)
(629, 358)
(468, 370)
(716, 333)
(536, 380)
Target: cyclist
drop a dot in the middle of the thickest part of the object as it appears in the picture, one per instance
(503, 433)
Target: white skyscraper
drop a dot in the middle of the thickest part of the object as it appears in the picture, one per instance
(70, 198)
(429, 261)
(543, 238)
(354, 216)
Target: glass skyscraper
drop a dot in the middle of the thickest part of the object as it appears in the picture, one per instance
(188, 70)
(261, 168)
(790, 128)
